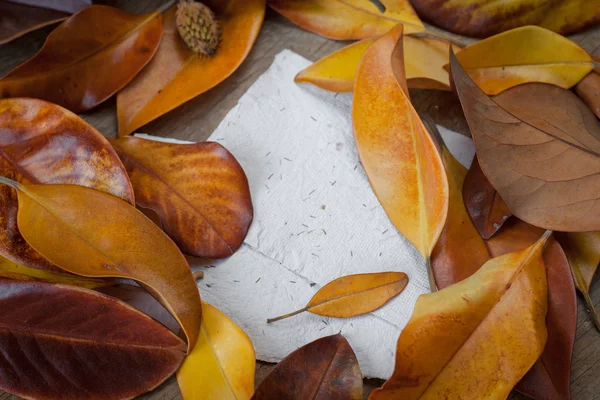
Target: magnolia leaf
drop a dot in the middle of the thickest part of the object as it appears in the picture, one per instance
(324, 369)
(176, 74)
(354, 295)
(84, 62)
(588, 90)
(70, 343)
(412, 187)
(94, 234)
(222, 364)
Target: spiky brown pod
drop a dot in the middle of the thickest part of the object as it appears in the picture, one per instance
(198, 27)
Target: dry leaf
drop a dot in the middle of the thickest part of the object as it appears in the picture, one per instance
(324, 369)
(176, 74)
(486, 208)
(583, 252)
(424, 60)
(399, 157)
(481, 18)
(199, 191)
(222, 364)
(538, 146)
(84, 62)
(354, 295)
(44, 143)
(62, 342)
(349, 19)
(94, 234)
(507, 60)
(477, 338)
(588, 90)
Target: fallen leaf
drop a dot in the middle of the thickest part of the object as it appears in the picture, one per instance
(349, 19)
(583, 252)
(18, 18)
(486, 208)
(399, 157)
(424, 60)
(44, 143)
(222, 364)
(588, 90)
(496, 319)
(71, 343)
(482, 18)
(538, 146)
(199, 191)
(176, 74)
(324, 369)
(84, 62)
(354, 295)
(94, 234)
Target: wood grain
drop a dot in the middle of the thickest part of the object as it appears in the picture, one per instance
(197, 119)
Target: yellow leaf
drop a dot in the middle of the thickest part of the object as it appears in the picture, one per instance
(424, 60)
(521, 55)
(222, 364)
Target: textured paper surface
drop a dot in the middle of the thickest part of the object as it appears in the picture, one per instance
(316, 219)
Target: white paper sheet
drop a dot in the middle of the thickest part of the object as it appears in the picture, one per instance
(316, 219)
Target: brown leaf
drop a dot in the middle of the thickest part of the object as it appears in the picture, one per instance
(539, 147)
(486, 208)
(87, 59)
(588, 90)
(94, 234)
(354, 295)
(481, 18)
(199, 191)
(62, 342)
(44, 143)
(325, 369)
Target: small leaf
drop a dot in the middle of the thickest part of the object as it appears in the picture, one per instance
(354, 295)
(222, 364)
(70, 343)
(399, 157)
(588, 90)
(85, 61)
(539, 146)
(424, 60)
(176, 74)
(199, 191)
(324, 369)
(506, 60)
(476, 338)
(486, 208)
(349, 19)
(94, 234)
(44, 143)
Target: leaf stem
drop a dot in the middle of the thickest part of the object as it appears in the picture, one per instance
(590, 303)
(432, 284)
(9, 182)
(287, 315)
(440, 35)
(166, 6)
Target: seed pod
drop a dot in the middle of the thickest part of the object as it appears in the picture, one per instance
(198, 27)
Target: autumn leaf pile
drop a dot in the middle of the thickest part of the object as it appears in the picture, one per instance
(505, 243)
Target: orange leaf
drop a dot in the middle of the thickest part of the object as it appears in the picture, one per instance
(399, 157)
(349, 19)
(85, 61)
(498, 314)
(176, 74)
(44, 143)
(354, 295)
(94, 234)
(424, 60)
(199, 191)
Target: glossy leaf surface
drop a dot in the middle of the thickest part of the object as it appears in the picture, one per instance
(222, 364)
(94, 234)
(43, 143)
(324, 369)
(199, 191)
(176, 74)
(87, 59)
(61, 342)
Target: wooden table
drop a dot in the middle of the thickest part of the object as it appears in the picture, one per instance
(196, 120)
